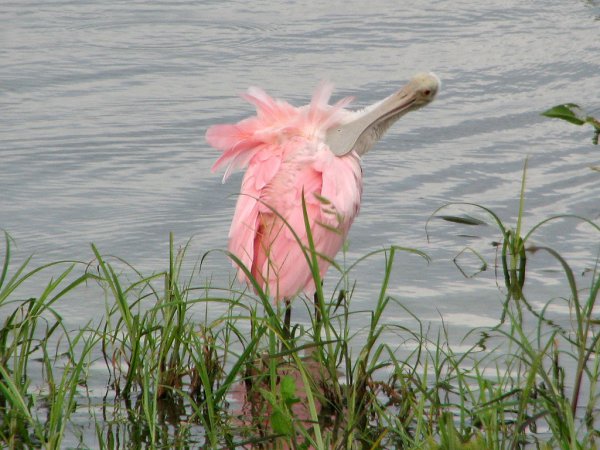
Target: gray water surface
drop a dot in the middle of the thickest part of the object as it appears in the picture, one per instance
(104, 106)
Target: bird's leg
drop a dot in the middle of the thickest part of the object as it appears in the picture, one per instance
(287, 318)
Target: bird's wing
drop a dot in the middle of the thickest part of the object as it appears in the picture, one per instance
(250, 203)
(271, 193)
(331, 187)
(253, 142)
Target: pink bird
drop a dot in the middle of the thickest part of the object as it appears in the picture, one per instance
(315, 151)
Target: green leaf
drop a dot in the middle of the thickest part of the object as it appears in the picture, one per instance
(465, 220)
(288, 390)
(281, 422)
(596, 124)
(569, 111)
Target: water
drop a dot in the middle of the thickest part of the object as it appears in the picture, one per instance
(104, 106)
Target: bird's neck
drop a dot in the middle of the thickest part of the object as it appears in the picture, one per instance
(372, 124)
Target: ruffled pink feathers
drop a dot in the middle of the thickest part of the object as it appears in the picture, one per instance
(283, 148)
(275, 121)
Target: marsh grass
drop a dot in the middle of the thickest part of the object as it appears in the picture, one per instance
(190, 365)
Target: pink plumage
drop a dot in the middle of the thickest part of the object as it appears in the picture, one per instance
(284, 150)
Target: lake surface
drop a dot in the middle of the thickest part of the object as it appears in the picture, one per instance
(104, 107)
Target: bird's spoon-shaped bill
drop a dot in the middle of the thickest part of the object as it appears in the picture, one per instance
(420, 91)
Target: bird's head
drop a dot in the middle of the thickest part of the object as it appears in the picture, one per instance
(364, 128)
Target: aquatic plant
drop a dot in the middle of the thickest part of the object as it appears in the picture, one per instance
(576, 115)
(188, 363)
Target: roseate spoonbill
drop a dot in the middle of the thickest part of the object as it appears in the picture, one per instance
(315, 151)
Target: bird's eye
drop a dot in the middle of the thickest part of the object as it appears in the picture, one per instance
(426, 92)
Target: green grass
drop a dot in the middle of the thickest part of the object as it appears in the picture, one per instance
(179, 375)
